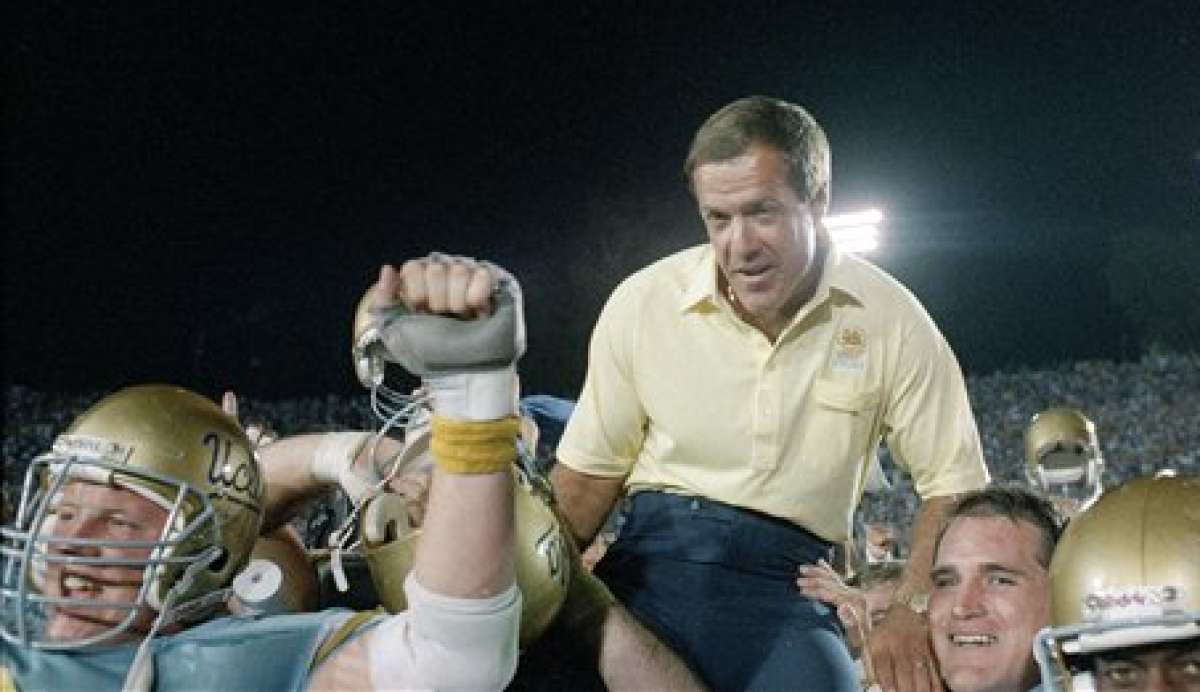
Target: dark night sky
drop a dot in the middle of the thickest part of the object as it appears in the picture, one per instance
(199, 194)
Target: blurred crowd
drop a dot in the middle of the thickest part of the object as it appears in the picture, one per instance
(1147, 415)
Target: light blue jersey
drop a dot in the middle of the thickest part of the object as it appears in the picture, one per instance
(272, 653)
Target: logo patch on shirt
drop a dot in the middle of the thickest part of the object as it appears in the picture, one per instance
(850, 350)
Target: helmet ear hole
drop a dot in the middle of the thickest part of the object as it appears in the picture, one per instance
(221, 561)
(212, 563)
(386, 520)
(390, 533)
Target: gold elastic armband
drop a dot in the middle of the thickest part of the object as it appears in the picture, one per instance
(474, 447)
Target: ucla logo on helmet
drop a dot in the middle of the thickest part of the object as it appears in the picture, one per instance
(232, 473)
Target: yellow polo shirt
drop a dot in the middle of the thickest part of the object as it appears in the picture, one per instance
(682, 396)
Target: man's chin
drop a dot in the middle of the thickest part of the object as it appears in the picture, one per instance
(977, 680)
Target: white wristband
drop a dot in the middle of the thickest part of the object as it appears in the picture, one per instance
(333, 462)
(481, 396)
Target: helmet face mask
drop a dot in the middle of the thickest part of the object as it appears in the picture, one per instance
(80, 536)
(1125, 574)
(43, 556)
(365, 347)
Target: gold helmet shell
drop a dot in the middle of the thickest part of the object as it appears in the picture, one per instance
(1126, 572)
(544, 556)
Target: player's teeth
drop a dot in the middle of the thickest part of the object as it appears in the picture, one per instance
(76, 582)
(973, 639)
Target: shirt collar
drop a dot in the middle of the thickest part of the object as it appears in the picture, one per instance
(701, 290)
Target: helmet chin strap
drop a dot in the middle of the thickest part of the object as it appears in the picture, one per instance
(141, 672)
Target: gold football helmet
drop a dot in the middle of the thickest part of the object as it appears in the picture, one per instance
(1126, 572)
(544, 555)
(1063, 459)
(171, 446)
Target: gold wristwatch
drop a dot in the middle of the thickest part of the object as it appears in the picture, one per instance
(916, 602)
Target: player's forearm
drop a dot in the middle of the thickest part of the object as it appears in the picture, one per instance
(291, 485)
(584, 501)
(922, 538)
(466, 543)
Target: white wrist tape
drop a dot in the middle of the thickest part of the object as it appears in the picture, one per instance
(333, 462)
(480, 396)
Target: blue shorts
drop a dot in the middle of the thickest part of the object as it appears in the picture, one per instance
(717, 583)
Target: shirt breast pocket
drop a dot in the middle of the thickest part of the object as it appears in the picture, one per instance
(839, 397)
(845, 419)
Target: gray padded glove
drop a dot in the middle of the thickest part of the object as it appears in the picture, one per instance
(468, 365)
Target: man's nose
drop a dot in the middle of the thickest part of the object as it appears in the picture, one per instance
(741, 235)
(968, 600)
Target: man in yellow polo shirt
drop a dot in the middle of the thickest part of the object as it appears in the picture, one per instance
(736, 393)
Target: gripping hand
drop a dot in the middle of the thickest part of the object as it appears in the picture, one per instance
(465, 352)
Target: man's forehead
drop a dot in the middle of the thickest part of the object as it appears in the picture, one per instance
(753, 154)
(755, 167)
(968, 527)
(986, 539)
(83, 486)
(84, 490)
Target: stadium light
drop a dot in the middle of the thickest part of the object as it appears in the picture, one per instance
(856, 231)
